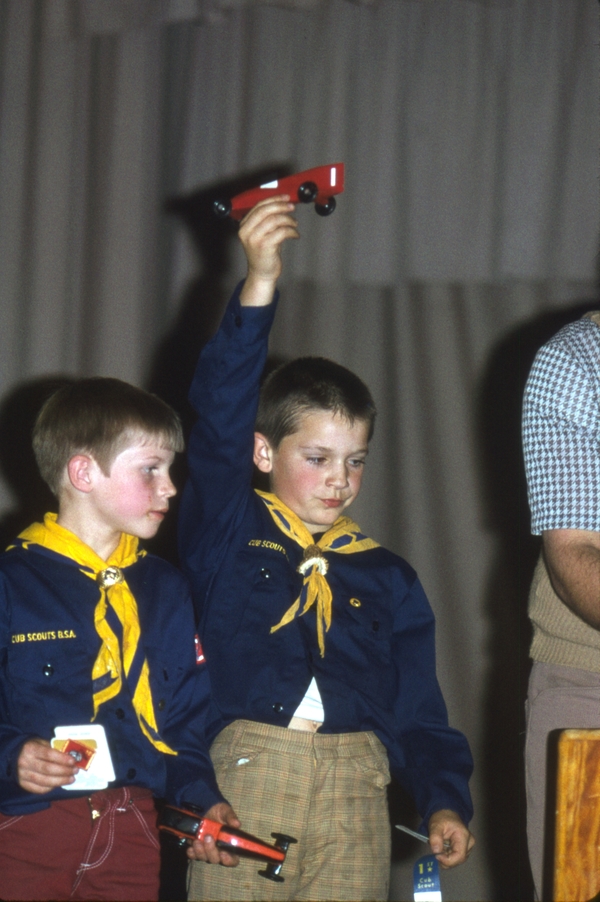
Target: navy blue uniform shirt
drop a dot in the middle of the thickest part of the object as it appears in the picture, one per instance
(378, 672)
(48, 646)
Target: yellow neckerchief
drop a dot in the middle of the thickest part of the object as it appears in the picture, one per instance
(109, 664)
(344, 537)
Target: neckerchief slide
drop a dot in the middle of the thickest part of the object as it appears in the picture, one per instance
(344, 537)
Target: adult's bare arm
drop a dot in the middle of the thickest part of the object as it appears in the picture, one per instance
(573, 561)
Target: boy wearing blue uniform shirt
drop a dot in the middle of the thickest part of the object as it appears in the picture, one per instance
(319, 642)
(96, 635)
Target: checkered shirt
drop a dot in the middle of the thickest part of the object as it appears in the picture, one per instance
(561, 431)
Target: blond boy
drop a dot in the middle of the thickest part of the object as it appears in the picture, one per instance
(94, 631)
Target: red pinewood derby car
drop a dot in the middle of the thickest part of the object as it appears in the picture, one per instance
(189, 824)
(318, 185)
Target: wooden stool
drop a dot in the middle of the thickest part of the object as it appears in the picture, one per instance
(577, 844)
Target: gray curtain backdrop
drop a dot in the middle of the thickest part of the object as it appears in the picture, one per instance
(467, 234)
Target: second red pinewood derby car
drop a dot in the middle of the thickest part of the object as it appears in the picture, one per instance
(188, 824)
(316, 185)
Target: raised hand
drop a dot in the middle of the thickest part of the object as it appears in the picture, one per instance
(262, 232)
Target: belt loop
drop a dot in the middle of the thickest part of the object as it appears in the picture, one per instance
(125, 800)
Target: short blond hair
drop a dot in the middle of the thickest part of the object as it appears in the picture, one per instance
(99, 417)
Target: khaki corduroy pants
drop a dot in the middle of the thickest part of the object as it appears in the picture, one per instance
(327, 791)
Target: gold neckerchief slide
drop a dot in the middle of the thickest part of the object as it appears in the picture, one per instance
(344, 537)
(110, 667)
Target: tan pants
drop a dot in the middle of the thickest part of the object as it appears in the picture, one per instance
(327, 791)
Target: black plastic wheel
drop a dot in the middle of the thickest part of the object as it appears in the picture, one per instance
(269, 874)
(283, 840)
(221, 208)
(326, 209)
(307, 192)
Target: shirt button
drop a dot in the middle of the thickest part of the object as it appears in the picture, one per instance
(265, 573)
(120, 713)
(48, 670)
(355, 603)
(131, 773)
(161, 705)
(278, 707)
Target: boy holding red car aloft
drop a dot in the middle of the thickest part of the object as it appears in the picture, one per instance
(319, 642)
(102, 697)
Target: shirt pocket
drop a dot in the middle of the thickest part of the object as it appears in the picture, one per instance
(49, 683)
(364, 636)
(263, 584)
(370, 620)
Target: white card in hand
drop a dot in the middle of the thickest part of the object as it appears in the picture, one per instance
(100, 770)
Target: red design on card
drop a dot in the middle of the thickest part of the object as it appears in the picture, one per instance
(81, 754)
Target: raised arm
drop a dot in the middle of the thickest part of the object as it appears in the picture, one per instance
(224, 394)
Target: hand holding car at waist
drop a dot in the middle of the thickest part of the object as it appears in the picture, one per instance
(41, 768)
(206, 849)
(450, 841)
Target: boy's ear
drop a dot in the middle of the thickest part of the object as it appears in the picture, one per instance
(80, 471)
(263, 453)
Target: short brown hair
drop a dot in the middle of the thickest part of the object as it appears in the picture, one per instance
(99, 417)
(311, 383)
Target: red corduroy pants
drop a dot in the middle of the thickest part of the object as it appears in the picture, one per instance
(104, 846)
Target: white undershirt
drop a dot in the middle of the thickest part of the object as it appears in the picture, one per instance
(311, 706)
